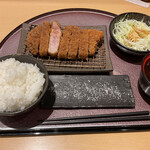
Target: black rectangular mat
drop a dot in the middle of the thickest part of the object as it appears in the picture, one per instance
(88, 91)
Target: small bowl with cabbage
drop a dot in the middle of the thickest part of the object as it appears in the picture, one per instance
(24, 82)
(130, 32)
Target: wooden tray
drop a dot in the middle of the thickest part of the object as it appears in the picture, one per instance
(122, 65)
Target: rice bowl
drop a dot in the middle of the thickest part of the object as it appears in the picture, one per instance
(23, 83)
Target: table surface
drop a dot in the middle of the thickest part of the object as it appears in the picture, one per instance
(15, 12)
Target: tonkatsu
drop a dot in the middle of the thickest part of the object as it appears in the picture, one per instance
(70, 43)
(33, 40)
(83, 44)
(54, 40)
(44, 39)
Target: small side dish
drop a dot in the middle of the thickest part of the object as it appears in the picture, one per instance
(133, 34)
(130, 32)
(144, 79)
(71, 43)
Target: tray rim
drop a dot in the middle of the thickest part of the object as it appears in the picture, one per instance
(74, 130)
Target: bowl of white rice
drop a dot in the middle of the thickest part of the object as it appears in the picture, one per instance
(23, 83)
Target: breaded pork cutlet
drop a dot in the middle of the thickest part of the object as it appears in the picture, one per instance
(74, 43)
(95, 36)
(71, 28)
(83, 44)
(44, 39)
(33, 40)
(64, 44)
(54, 40)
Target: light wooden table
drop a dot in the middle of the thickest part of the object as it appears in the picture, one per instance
(12, 14)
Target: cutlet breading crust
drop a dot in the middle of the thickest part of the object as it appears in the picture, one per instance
(71, 28)
(44, 39)
(64, 44)
(36, 32)
(33, 40)
(63, 49)
(92, 48)
(95, 37)
(74, 43)
(83, 44)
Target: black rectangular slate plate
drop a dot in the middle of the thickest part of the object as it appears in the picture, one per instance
(88, 91)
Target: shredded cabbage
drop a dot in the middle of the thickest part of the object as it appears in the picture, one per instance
(122, 32)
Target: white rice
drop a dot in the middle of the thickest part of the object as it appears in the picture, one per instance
(20, 84)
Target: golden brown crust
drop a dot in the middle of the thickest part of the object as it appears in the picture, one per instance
(33, 40)
(83, 44)
(95, 36)
(92, 48)
(63, 49)
(64, 44)
(71, 28)
(74, 43)
(36, 32)
(44, 39)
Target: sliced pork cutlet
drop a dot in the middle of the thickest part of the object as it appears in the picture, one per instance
(71, 28)
(54, 40)
(83, 44)
(64, 44)
(92, 48)
(95, 36)
(44, 39)
(33, 40)
(74, 43)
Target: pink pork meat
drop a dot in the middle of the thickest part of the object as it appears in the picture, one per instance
(55, 37)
